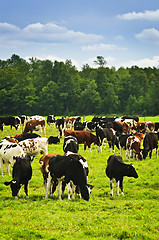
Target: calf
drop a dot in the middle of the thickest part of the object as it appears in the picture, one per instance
(150, 142)
(22, 173)
(107, 134)
(69, 169)
(133, 144)
(117, 169)
(8, 151)
(32, 147)
(83, 137)
(53, 140)
(70, 144)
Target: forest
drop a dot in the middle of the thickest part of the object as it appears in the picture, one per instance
(45, 87)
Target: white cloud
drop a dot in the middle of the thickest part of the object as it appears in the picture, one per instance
(149, 35)
(101, 46)
(49, 33)
(146, 15)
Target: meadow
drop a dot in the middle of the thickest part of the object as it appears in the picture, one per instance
(132, 216)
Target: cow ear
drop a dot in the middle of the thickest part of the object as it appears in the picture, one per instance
(7, 183)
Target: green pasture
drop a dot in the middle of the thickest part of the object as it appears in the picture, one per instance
(132, 216)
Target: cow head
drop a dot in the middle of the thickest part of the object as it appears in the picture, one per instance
(15, 187)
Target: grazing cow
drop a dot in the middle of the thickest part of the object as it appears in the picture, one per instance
(70, 144)
(33, 147)
(22, 173)
(71, 170)
(53, 140)
(35, 125)
(50, 120)
(25, 135)
(133, 144)
(8, 150)
(150, 142)
(60, 125)
(107, 134)
(117, 169)
(83, 137)
(12, 121)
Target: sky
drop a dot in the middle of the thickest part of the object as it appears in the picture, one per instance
(124, 32)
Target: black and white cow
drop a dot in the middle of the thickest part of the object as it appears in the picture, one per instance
(9, 121)
(69, 169)
(117, 169)
(53, 140)
(50, 120)
(70, 144)
(106, 134)
(89, 126)
(60, 125)
(122, 140)
(22, 173)
(150, 142)
(8, 151)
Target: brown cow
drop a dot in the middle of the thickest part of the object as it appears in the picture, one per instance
(83, 137)
(70, 121)
(35, 125)
(133, 144)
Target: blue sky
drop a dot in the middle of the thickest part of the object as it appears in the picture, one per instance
(124, 32)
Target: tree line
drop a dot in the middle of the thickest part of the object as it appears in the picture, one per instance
(45, 87)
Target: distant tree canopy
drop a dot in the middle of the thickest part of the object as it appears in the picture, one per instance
(45, 87)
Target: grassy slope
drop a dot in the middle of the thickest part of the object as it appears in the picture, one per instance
(133, 216)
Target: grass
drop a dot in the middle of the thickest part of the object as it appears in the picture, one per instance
(132, 216)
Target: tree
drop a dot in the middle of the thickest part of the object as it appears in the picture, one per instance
(100, 61)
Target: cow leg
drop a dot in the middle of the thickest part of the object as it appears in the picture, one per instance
(7, 168)
(111, 187)
(48, 185)
(26, 189)
(69, 190)
(117, 187)
(121, 186)
(1, 165)
(157, 153)
(73, 190)
(150, 154)
(59, 189)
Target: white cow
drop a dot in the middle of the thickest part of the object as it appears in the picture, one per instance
(33, 147)
(8, 151)
(36, 117)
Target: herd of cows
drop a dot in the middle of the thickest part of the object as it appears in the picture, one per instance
(71, 169)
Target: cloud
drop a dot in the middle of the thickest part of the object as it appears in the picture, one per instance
(149, 35)
(146, 15)
(101, 46)
(48, 33)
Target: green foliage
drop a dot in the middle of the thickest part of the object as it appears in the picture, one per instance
(45, 87)
(132, 216)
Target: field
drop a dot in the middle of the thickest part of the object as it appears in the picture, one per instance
(132, 216)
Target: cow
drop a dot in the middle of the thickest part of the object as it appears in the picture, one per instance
(150, 126)
(133, 144)
(22, 173)
(26, 135)
(36, 117)
(122, 142)
(69, 122)
(150, 142)
(78, 126)
(69, 169)
(106, 134)
(83, 137)
(12, 121)
(35, 125)
(50, 120)
(8, 150)
(60, 125)
(70, 144)
(89, 126)
(121, 127)
(117, 169)
(33, 147)
(53, 140)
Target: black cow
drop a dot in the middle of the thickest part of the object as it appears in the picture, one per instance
(53, 140)
(107, 134)
(71, 170)
(22, 173)
(70, 144)
(60, 125)
(78, 126)
(122, 142)
(25, 135)
(149, 143)
(117, 169)
(50, 120)
(12, 121)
